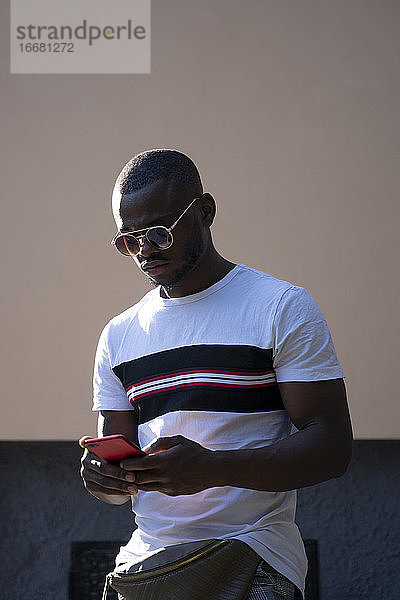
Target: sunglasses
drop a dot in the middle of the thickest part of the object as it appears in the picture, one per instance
(159, 236)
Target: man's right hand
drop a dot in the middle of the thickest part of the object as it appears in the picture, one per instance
(106, 481)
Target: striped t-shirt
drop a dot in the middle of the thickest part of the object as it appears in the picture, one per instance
(206, 366)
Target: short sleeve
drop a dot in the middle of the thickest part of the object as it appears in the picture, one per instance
(303, 347)
(108, 391)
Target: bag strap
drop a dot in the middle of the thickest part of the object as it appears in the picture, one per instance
(106, 586)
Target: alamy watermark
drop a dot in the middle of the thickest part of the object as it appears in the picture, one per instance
(81, 36)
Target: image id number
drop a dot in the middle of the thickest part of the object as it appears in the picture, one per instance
(49, 47)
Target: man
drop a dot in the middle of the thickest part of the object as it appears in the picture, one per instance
(209, 372)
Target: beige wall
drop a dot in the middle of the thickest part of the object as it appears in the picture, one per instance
(289, 108)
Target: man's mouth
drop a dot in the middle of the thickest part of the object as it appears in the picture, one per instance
(154, 267)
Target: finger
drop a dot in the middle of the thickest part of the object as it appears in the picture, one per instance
(94, 487)
(164, 443)
(107, 484)
(106, 469)
(82, 440)
(150, 477)
(159, 455)
(155, 486)
(139, 463)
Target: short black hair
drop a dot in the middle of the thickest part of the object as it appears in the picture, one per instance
(152, 165)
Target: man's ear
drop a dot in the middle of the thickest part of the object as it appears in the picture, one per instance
(208, 208)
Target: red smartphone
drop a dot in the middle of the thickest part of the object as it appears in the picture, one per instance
(112, 447)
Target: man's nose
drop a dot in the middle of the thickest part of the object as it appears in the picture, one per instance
(145, 248)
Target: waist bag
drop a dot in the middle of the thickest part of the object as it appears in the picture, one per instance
(210, 569)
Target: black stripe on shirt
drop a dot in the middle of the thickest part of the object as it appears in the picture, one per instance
(209, 377)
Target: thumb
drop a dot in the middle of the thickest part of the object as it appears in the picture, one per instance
(82, 440)
(163, 443)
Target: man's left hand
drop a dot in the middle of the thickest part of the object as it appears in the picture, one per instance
(174, 466)
(318, 451)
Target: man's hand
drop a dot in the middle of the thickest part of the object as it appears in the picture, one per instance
(174, 466)
(104, 480)
(320, 450)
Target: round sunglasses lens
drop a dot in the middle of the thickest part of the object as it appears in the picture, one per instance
(160, 237)
(127, 245)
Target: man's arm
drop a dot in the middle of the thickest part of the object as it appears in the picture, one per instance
(320, 450)
(106, 481)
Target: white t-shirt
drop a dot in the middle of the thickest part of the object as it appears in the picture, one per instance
(206, 366)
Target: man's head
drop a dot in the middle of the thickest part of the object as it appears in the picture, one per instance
(154, 188)
(151, 166)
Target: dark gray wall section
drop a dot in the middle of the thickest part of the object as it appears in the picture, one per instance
(44, 507)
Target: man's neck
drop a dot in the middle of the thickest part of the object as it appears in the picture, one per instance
(210, 271)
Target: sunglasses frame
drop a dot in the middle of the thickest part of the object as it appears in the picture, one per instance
(139, 236)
